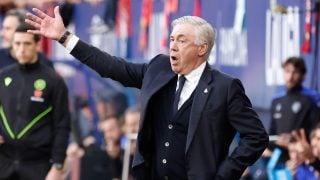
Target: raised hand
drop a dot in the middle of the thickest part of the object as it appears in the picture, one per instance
(50, 27)
(303, 145)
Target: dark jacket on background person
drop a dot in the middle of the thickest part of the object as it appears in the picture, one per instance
(34, 114)
(6, 58)
(96, 164)
(294, 109)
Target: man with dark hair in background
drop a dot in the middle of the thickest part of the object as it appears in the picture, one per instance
(13, 18)
(34, 114)
(297, 107)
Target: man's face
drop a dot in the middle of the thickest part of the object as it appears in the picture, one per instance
(24, 47)
(111, 130)
(9, 25)
(292, 76)
(184, 53)
(131, 123)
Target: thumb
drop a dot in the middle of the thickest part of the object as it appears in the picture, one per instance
(56, 12)
(57, 16)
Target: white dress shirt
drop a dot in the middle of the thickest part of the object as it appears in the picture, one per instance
(192, 80)
(72, 42)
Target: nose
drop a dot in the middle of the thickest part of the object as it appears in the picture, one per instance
(21, 49)
(173, 46)
(290, 76)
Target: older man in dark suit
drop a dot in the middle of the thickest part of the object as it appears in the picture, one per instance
(189, 111)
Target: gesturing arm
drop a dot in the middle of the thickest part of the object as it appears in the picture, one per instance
(129, 74)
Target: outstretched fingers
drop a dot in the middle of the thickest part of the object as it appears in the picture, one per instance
(300, 136)
(303, 134)
(34, 18)
(40, 13)
(295, 135)
(38, 32)
(32, 23)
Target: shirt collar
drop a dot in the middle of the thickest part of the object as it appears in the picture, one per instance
(194, 75)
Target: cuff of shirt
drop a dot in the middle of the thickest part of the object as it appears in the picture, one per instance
(72, 43)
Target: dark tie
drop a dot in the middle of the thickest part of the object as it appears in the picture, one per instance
(182, 80)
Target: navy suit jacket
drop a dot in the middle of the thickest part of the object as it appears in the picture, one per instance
(220, 109)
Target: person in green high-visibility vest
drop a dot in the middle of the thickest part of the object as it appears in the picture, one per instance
(34, 114)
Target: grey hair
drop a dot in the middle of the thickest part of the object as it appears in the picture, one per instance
(205, 33)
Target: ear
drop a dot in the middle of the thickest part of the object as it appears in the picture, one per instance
(202, 49)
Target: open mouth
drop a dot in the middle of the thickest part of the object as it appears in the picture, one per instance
(174, 58)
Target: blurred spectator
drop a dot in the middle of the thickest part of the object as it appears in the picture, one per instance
(105, 162)
(83, 124)
(110, 103)
(297, 107)
(112, 132)
(315, 142)
(105, 109)
(293, 109)
(310, 151)
(34, 114)
(131, 124)
(130, 129)
(12, 20)
(295, 157)
(10, 23)
(131, 120)
(305, 168)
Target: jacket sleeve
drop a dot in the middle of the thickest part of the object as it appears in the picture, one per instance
(253, 137)
(61, 122)
(118, 69)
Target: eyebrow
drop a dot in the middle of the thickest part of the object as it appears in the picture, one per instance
(178, 36)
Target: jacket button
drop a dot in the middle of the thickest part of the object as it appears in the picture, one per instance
(164, 161)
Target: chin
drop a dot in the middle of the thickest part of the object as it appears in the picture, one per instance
(174, 70)
(22, 62)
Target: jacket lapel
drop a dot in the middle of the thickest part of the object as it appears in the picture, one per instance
(154, 86)
(201, 95)
(158, 82)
